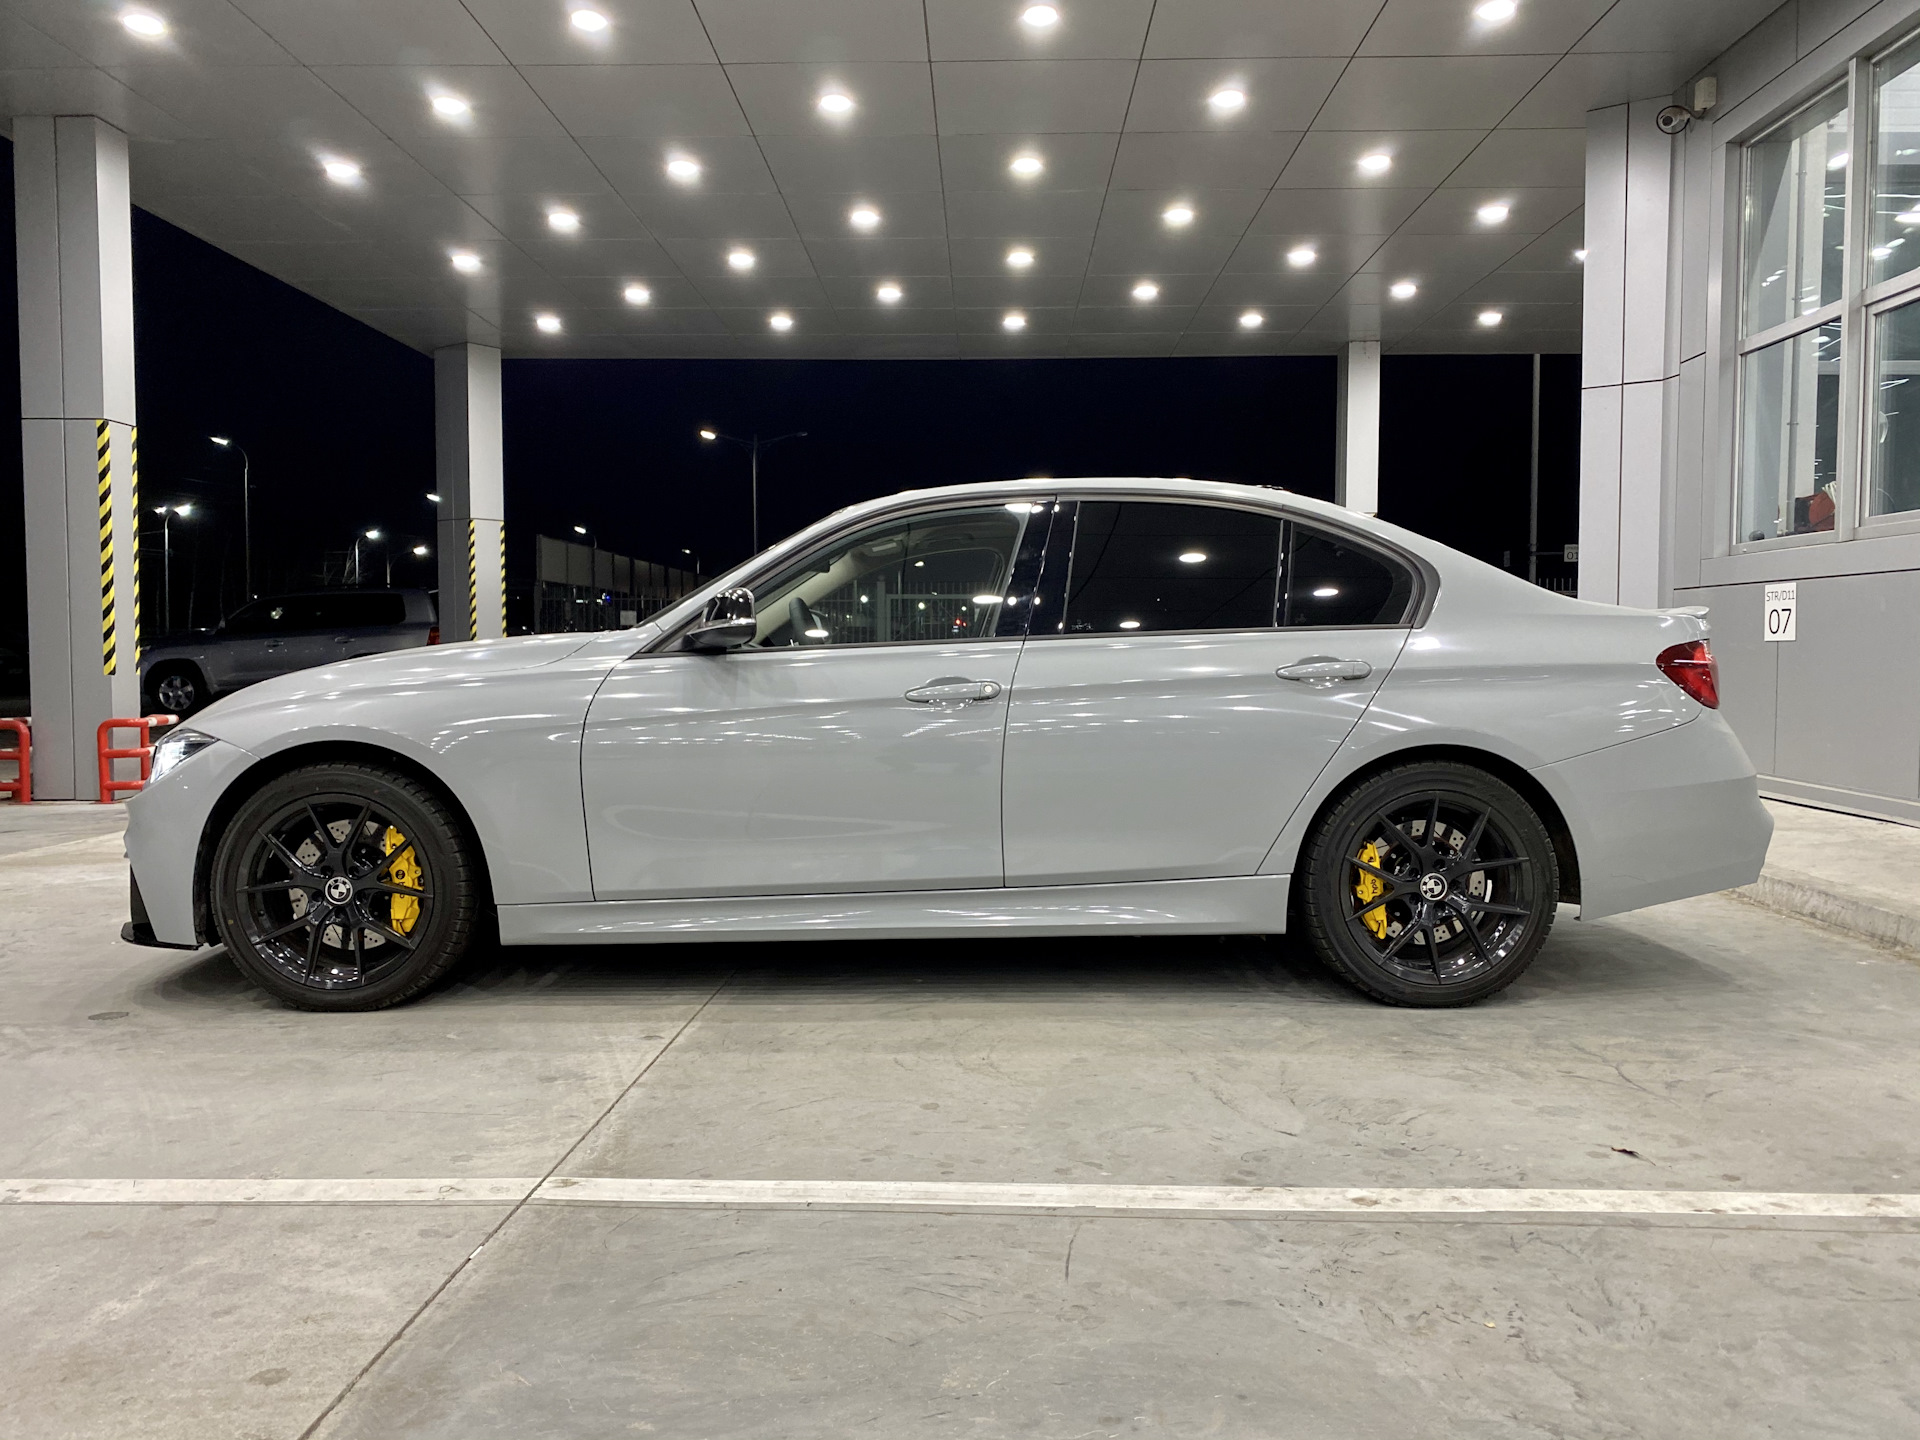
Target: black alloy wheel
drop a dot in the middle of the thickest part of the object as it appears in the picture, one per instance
(176, 690)
(1430, 884)
(345, 887)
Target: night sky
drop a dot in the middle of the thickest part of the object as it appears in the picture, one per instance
(339, 423)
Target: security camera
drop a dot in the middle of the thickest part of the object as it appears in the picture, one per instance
(1673, 119)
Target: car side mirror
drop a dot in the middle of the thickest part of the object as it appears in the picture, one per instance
(727, 624)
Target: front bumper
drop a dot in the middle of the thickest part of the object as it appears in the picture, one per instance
(139, 929)
(165, 825)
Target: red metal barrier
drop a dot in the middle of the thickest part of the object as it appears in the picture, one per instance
(21, 786)
(143, 752)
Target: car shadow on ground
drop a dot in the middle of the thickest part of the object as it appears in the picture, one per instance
(1577, 964)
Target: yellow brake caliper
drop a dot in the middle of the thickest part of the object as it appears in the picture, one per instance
(403, 912)
(1371, 888)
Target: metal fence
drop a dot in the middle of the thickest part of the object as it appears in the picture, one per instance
(581, 587)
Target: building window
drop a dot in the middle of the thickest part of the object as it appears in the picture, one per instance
(1829, 309)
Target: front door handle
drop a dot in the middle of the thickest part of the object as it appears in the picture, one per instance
(954, 690)
(1324, 670)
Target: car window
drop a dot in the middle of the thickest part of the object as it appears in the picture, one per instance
(1331, 582)
(1150, 565)
(262, 617)
(350, 611)
(938, 576)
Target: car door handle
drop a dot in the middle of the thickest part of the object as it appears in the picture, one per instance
(1324, 670)
(276, 644)
(954, 690)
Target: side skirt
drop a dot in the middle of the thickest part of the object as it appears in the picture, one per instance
(1239, 905)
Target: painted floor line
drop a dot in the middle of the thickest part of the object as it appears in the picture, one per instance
(1172, 1201)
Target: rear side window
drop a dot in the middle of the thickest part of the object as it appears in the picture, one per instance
(1330, 582)
(350, 611)
(1154, 565)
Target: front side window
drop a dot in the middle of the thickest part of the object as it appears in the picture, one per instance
(1145, 565)
(262, 617)
(939, 576)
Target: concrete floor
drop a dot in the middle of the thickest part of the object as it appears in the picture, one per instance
(1707, 1045)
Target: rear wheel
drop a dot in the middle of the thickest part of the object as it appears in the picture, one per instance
(176, 690)
(1430, 884)
(345, 887)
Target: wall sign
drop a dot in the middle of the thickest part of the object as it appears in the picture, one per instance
(1782, 610)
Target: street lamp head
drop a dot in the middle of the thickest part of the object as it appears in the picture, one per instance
(433, 497)
(184, 508)
(420, 550)
(373, 534)
(709, 435)
(579, 529)
(220, 439)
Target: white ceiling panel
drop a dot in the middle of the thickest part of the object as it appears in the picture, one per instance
(671, 293)
(282, 102)
(1580, 83)
(889, 99)
(808, 31)
(1693, 32)
(1015, 97)
(991, 30)
(507, 165)
(24, 47)
(641, 32)
(1508, 287)
(920, 295)
(1290, 290)
(1421, 257)
(1042, 321)
(1071, 162)
(1531, 212)
(374, 32)
(1526, 157)
(66, 91)
(1023, 292)
(1555, 249)
(843, 164)
(1134, 319)
(766, 294)
(399, 99)
(1281, 94)
(1032, 215)
(1174, 292)
(1213, 160)
(1210, 28)
(637, 169)
(1450, 92)
(607, 258)
(1266, 254)
(1060, 257)
(715, 217)
(775, 255)
(1331, 158)
(1449, 27)
(650, 102)
(602, 216)
(203, 32)
(1308, 213)
(1275, 318)
(822, 216)
(879, 255)
(868, 317)
(941, 346)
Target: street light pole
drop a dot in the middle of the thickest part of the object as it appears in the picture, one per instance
(166, 514)
(246, 508)
(754, 446)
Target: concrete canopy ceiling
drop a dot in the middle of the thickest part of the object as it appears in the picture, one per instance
(236, 108)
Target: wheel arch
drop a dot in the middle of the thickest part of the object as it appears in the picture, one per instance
(271, 767)
(1502, 769)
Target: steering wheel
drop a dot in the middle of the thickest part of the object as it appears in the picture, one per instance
(807, 627)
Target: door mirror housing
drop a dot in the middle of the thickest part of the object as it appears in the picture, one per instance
(727, 624)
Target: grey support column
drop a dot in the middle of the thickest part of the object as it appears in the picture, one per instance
(467, 448)
(75, 247)
(1356, 474)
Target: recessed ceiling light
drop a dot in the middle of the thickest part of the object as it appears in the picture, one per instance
(341, 172)
(451, 106)
(1026, 166)
(863, 217)
(1020, 259)
(549, 324)
(591, 21)
(1040, 17)
(565, 221)
(780, 320)
(1129, 624)
(835, 102)
(144, 23)
(1838, 162)
(1490, 318)
(1302, 255)
(1493, 213)
(465, 261)
(1252, 320)
(1325, 592)
(684, 170)
(1581, 256)
(1496, 12)
(1178, 215)
(1378, 163)
(1227, 101)
(1403, 290)
(888, 293)
(1013, 320)
(636, 295)
(1908, 217)
(1193, 557)
(1146, 290)
(740, 259)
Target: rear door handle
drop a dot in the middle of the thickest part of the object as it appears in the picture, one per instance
(1324, 670)
(954, 690)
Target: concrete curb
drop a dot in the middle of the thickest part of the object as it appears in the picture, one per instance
(1793, 893)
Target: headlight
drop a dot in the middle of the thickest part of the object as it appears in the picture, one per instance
(179, 746)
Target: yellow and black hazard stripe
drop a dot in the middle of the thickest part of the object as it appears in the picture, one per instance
(503, 579)
(133, 508)
(109, 656)
(473, 586)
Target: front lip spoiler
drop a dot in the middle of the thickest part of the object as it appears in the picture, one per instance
(139, 929)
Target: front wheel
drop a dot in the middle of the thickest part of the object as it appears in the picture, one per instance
(345, 887)
(176, 690)
(1429, 884)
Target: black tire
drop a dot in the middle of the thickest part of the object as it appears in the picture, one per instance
(176, 688)
(1425, 921)
(346, 887)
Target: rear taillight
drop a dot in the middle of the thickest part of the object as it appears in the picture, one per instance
(433, 635)
(1691, 667)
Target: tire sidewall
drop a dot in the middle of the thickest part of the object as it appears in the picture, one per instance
(1324, 895)
(427, 825)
